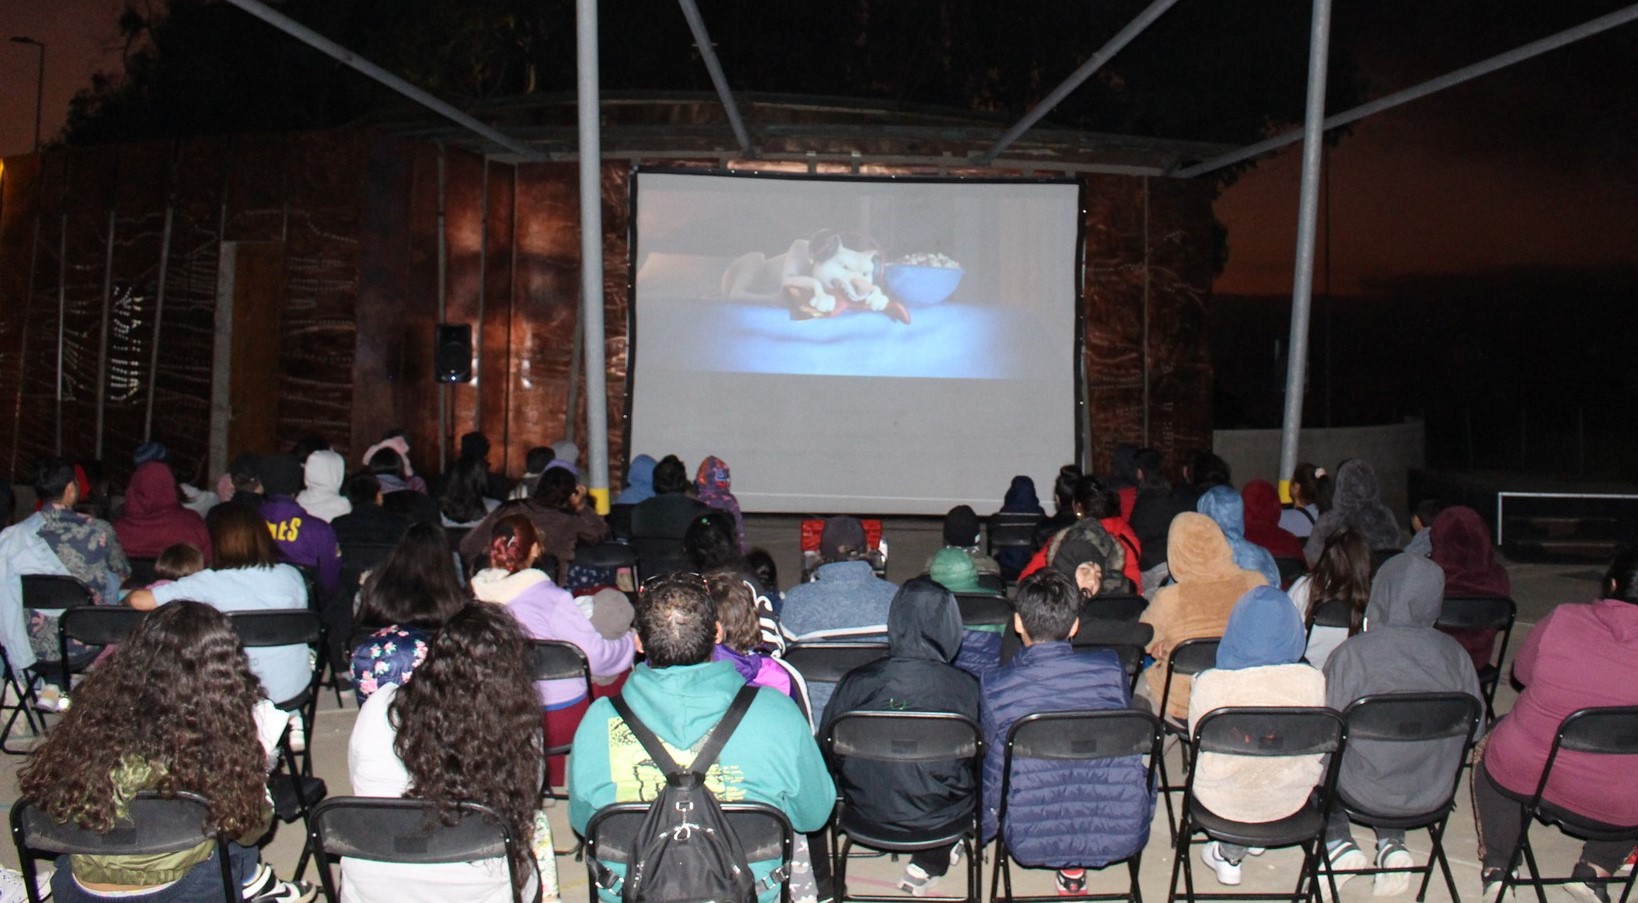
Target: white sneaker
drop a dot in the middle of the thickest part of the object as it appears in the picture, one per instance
(1345, 857)
(298, 733)
(1392, 855)
(14, 889)
(1228, 873)
(50, 699)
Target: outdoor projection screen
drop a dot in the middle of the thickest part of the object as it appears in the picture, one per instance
(863, 345)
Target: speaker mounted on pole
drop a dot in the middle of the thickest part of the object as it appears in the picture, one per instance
(452, 353)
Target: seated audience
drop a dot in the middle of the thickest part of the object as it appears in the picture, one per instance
(1421, 522)
(1069, 816)
(154, 516)
(761, 565)
(547, 612)
(1088, 554)
(246, 575)
(681, 694)
(402, 603)
(462, 503)
(177, 561)
(1063, 504)
(1020, 499)
(428, 740)
(175, 708)
(534, 464)
(402, 473)
(845, 594)
(912, 800)
(1356, 503)
(1577, 657)
(402, 494)
(475, 453)
(1304, 511)
(667, 514)
(323, 473)
(367, 523)
(302, 539)
(639, 485)
(741, 642)
(1222, 504)
(711, 487)
(1258, 664)
(964, 532)
(1400, 653)
(980, 652)
(1157, 503)
(710, 546)
(1342, 574)
(559, 514)
(1197, 605)
(1463, 550)
(1261, 502)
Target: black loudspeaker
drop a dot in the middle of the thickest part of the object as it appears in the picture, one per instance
(453, 353)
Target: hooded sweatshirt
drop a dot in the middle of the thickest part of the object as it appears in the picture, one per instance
(154, 519)
(1198, 604)
(770, 758)
(1222, 504)
(1258, 664)
(639, 481)
(1262, 517)
(323, 474)
(1462, 549)
(924, 634)
(1400, 652)
(1356, 503)
(546, 612)
(1579, 656)
(712, 487)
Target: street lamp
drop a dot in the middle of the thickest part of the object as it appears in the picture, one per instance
(39, 83)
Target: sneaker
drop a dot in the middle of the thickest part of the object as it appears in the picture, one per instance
(14, 888)
(1345, 857)
(1588, 886)
(1071, 882)
(1392, 855)
(298, 733)
(1492, 879)
(265, 887)
(917, 883)
(1228, 871)
(50, 699)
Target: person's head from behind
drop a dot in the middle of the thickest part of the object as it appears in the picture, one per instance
(710, 543)
(362, 491)
(177, 695)
(306, 445)
(513, 543)
(1305, 485)
(1094, 499)
(462, 499)
(387, 462)
(280, 475)
(475, 447)
(1343, 573)
(1047, 608)
(1262, 630)
(843, 539)
(736, 609)
(676, 621)
(456, 751)
(415, 585)
(179, 560)
(671, 476)
(1207, 470)
(239, 538)
(1063, 488)
(54, 482)
(953, 569)
(1621, 580)
(1426, 511)
(536, 459)
(761, 563)
(962, 527)
(556, 490)
(1150, 469)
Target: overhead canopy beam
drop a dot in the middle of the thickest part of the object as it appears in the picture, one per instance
(341, 54)
(708, 52)
(1076, 78)
(1467, 73)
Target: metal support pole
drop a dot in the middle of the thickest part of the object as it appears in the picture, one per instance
(1104, 54)
(591, 252)
(1302, 286)
(708, 53)
(1415, 92)
(159, 316)
(337, 52)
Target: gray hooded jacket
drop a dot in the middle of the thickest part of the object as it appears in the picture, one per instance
(1400, 652)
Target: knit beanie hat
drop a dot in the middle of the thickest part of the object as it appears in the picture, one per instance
(149, 451)
(961, 527)
(953, 569)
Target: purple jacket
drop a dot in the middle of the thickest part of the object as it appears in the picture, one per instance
(756, 668)
(304, 539)
(547, 612)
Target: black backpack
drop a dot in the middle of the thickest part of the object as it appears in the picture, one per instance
(685, 851)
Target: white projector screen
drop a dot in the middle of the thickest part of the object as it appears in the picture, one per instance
(886, 346)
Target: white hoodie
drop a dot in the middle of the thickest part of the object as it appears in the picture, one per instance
(322, 498)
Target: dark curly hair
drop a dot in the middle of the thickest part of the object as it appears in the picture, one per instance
(491, 753)
(176, 699)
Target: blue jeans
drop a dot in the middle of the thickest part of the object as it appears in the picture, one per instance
(202, 883)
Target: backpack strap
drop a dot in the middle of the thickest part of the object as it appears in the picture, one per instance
(713, 742)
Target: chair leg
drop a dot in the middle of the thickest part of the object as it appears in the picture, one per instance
(1135, 866)
(1166, 793)
(1180, 861)
(838, 869)
(1436, 831)
(1627, 890)
(1535, 873)
(1002, 871)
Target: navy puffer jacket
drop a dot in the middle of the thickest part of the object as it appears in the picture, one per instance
(1063, 814)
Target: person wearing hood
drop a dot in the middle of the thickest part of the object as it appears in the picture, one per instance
(1259, 663)
(154, 517)
(1579, 656)
(981, 643)
(639, 481)
(302, 538)
(711, 487)
(1197, 605)
(912, 800)
(323, 473)
(681, 694)
(1223, 505)
(1462, 549)
(1399, 652)
(1262, 519)
(1356, 503)
(1020, 499)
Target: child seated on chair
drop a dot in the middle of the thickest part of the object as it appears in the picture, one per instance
(1258, 664)
(1064, 815)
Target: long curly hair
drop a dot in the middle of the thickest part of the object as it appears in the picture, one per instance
(171, 710)
(489, 752)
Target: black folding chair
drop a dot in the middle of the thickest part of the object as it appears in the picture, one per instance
(558, 660)
(154, 825)
(1188, 658)
(1012, 530)
(15, 700)
(1079, 736)
(981, 610)
(1290, 570)
(55, 593)
(1264, 732)
(617, 560)
(409, 832)
(829, 662)
(611, 839)
(905, 738)
(1483, 613)
(93, 625)
(657, 555)
(1107, 622)
(1330, 613)
(1442, 727)
(1114, 607)
(1595, 731)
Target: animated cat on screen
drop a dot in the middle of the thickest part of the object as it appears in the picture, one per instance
(823, 276)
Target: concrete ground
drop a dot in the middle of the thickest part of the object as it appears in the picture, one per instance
(1537, 588)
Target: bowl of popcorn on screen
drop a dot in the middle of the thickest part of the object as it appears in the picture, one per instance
(923, 278)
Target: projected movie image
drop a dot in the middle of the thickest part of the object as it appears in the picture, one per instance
(852, 277)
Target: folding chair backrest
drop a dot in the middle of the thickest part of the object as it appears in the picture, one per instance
(1333, 613)
(99, 625)
(1477, 612)
(904, 737)
(612, 555)
(559, 660)
(277, 627)
(1290, 569)
(1190, 657)
(830, 662)
(407, 831)
(1114, 607)
(1269, 731)
(984, 610)
(1412, 717)
(1601, 731)
(763, 831)
(1012, 530)
(1084, 735)
(154, 826)
(52, 592)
